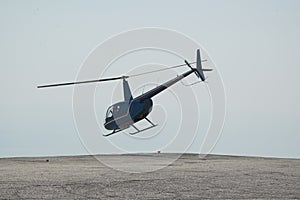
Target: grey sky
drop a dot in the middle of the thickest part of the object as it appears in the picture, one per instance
(255, 45)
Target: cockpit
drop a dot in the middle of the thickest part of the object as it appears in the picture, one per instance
(113, 110)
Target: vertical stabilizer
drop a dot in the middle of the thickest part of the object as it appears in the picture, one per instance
(199, 66)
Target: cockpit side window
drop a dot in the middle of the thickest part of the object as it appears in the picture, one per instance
(116, 109)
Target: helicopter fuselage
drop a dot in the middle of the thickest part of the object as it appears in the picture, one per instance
(124, 114)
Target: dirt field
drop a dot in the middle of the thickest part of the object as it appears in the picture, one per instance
(84, 177)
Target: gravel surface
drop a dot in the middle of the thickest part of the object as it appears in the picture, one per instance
(189, 177)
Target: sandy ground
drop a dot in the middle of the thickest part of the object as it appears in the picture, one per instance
(84, 177)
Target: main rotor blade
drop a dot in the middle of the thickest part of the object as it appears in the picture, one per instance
(81, 82)
(117, 78)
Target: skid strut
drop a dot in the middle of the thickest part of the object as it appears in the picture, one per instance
(138, 130)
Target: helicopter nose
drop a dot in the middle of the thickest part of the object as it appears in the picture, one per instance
(110, 125)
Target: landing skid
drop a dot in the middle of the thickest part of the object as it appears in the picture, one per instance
(138, 130)
(114, 131)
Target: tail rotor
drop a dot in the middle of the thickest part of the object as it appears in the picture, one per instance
(198, 70)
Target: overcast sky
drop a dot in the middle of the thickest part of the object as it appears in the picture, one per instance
(255, 45)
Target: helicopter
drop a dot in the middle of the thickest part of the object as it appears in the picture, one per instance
(125, 114)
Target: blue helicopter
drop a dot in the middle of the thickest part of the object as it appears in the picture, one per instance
(126, 113)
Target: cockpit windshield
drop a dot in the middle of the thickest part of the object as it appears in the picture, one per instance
(109, 112)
